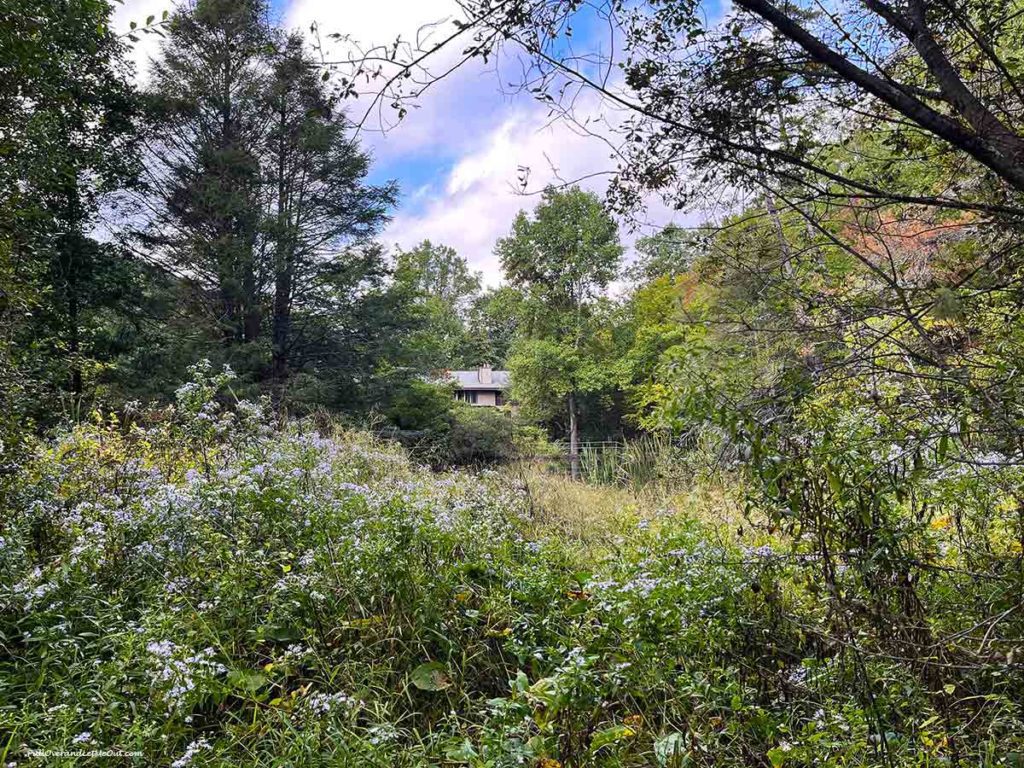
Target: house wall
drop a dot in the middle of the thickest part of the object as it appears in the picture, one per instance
(478, 396)
(486, 398)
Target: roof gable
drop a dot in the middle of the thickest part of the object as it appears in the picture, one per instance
(471, 380)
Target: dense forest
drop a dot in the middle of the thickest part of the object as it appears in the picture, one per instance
(243, 520)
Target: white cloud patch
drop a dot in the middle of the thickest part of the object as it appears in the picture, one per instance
(450, 110)
(377, 22)
(475, 202)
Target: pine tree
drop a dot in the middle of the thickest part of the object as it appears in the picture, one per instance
(205, 186)
(319, 204)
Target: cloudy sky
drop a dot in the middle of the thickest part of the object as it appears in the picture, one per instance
(459, 153)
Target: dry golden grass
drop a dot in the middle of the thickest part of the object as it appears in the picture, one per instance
(595, 515)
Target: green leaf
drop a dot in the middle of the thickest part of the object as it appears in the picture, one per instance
(461, 753)
(281, 634)
(432, 676)
(611, 735)
(834, 482)
(246, 680)
(777, 757)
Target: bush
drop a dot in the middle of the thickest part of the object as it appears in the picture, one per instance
(422, 407)
(443, 432)
(480, 436)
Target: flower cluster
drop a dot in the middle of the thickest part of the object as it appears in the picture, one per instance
(322, 704)
(175, 671)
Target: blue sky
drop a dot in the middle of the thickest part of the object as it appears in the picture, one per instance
(458, 154)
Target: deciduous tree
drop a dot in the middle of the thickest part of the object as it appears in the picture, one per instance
(563, 257)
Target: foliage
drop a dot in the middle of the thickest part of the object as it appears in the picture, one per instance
(207, 583)
(200, 587)
(423, 406)
(255, 190)
(492, 325)
(66, 117)
(565, 253)
(444, 289)
(481, 436)
(670, 252)
(446, 433)
(563, 257)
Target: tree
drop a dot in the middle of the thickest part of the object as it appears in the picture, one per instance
(563, 258)
(319, 204)
(492, 325)
(439, 272)
(745, 96)
(445, 289)
(67, 117)
(670, 251)
(257, 192)
(204, 189)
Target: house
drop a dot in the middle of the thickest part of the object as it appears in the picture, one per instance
(479, 387)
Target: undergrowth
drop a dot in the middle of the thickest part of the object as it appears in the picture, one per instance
(202, 588)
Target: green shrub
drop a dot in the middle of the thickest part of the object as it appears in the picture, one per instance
(422, 406)
(480, 436)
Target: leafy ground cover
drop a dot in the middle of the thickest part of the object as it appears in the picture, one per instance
(205, 588)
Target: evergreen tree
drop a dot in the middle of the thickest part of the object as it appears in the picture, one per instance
(321, 211)
(204, 182)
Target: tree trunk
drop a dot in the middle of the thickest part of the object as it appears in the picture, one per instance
(282, 325)
(574, 439)
(252, 320)
(283, 267)
(73, 342)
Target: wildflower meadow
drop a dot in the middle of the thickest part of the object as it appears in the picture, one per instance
(201, 586)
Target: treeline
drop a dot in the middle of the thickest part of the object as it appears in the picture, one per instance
(220, 210)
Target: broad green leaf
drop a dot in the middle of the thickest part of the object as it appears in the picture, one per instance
(246, 680)
(461, 753)
(611, 735)
(431, 676)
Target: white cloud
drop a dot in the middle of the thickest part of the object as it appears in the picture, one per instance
(450, 110)
(377, 22)
(475, 203)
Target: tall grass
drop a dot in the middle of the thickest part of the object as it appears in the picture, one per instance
(650, 462)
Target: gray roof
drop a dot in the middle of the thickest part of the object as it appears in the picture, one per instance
(471, 380)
